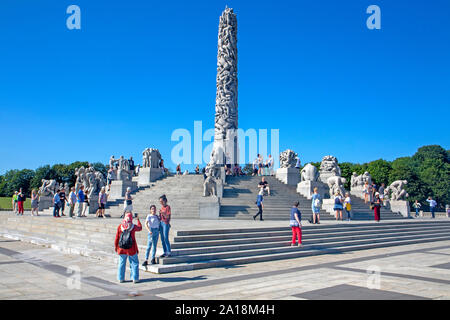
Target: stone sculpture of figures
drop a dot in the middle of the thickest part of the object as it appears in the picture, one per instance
(112, 162)
(336, 184)
(330, 164)
(48, 187)
(91, 179)
(210, 183)
(226, 118)
(151, 158)
(309, 173)
(397, 190)
(123, 171)
(288, 159)
(359, 181)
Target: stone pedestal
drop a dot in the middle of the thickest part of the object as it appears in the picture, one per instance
(119, 188)
(45, 202)
(93, 204)
(147, 175)
(209, 208)
(223, 176)
(328, 205)
(306, 188)
(399, 206)
(219, 186)
(289, 176)
(357, 192)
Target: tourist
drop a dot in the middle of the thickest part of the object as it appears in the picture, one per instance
(270, 165)
(260, 164)
(348, 206)
(338, 205)
(137, 170)
(126, 247)
(374, 190)
(102, 199)
(86, 204)
(296, 225)
(163, 169)
(178, 170)
(128, 202)
(72, 201)
(14, 202)
(236, 170)
(255, 166)
(376, 206)
(259, 204)
(56, 204)
(316, 203)
(152, 224)
(20, 201)
(109, 178)
(433, 205)
(34, 202)
(80, 201)
(447, 209)
(164, 218)
(197, 169)
(417, 206)
(62, 197)
(263, 185)
(366, 192)
(131, 164)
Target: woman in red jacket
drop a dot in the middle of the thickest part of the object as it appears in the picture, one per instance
(126, 246)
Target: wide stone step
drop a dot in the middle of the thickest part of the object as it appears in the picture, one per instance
(296, 252)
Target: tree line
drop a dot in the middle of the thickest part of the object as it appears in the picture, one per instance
(28, 179)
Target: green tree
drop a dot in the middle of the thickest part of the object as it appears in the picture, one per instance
(379, 170)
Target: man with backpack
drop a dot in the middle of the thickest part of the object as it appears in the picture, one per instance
(126, 247)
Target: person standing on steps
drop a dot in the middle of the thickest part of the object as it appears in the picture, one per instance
(56, 204)
(376, 206)
(348, 206)
(338, 206)
(366, 192)
(14, 202)
(34, 202)
(152, 224)
(296, 225)
(259, 204)
(128, 202)
(126, 247)
(63, 198)
(80, 201)
(316, 203)
(72, 202)
(20, 201)
(164, 218)
(433, 205)
(102, 199)
(417, 206)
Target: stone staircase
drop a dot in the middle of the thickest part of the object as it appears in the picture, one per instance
(183, 193)
(240, 195)
(199, 249)
(217, 247)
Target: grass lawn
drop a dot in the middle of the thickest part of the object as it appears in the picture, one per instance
(5, 203)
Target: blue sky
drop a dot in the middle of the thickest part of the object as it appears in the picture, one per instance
(138, 70)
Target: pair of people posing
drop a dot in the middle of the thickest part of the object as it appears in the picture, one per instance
(157, 225)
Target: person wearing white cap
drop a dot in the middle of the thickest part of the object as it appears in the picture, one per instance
(376, 205)
(128, 203)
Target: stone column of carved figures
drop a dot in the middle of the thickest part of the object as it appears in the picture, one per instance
(226, 117)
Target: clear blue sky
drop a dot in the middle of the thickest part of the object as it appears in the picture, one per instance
(137, 70)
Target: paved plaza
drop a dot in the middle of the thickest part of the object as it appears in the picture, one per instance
(419, 271)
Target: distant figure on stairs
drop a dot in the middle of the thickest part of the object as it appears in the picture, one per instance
(259, 204)
(264, 186)
(197, 169)
(178, 170)
(316, 203)
(296, 225)
(376, 205)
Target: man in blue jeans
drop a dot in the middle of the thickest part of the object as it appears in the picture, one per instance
(152, 224)
(56, 204)
(433, 205)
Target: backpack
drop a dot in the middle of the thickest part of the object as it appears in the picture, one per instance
(125, 240)
(317, 203)
(337, 200)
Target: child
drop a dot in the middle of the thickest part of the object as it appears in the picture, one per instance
(152, 224)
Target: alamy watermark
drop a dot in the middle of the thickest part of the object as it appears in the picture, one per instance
(74, 20)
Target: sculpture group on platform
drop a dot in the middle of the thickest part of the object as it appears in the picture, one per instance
(288, 159)
(330, 165)
(91, 179)
(49, 187)
(151, 158)
(121, 168)
(396, 191)
(309, 173)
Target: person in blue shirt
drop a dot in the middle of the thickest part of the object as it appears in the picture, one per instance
(433, 205)
(56, 204)
(296, 225)
(80, 201)
(315, 206)
(259, 203)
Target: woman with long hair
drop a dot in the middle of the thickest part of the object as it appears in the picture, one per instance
(164, 228)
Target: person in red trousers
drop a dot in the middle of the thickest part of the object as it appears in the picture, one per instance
(20, 201)
(296, 225)
(377, 207)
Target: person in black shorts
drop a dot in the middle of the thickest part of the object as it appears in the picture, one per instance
(62, 197)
